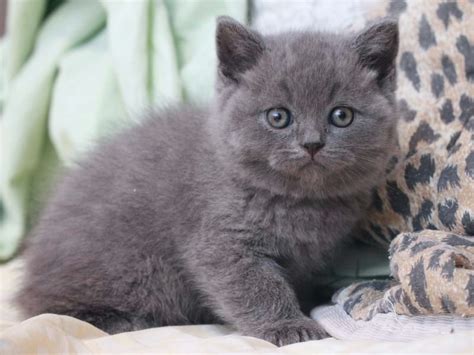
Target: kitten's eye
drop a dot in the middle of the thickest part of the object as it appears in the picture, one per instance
(341, 117)
(279, 118)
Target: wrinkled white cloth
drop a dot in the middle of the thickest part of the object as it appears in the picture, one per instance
(390, 326)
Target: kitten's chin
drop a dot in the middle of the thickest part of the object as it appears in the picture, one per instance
(304, 171)
(296, 166)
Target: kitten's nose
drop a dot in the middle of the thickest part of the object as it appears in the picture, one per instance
(312, 147)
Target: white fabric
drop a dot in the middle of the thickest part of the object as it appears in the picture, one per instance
(273, 16)
(389, 326)
(52, 334)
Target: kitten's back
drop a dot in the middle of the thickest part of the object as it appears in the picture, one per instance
(116, 218)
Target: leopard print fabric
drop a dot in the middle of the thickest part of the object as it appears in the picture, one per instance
(433, 274)
(425, 209)
(430, 184)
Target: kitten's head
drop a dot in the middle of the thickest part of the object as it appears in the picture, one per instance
(306, 113)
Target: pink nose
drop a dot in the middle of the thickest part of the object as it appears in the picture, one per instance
(313, 147)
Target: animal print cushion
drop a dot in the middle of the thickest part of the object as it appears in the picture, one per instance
(430, 181)
(433, 274)
(430, 184)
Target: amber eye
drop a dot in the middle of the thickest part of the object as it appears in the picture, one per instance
(341, 117)
(279, 118)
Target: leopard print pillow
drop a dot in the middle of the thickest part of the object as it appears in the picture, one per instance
(427, 201)
(430, 183)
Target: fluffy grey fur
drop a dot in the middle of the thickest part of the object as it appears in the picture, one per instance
(210, 214)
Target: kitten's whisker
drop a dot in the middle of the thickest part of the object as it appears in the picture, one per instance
(370, 160)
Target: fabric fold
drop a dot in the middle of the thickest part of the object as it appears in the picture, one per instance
(79, 70)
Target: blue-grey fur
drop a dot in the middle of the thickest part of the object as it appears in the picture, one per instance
(211, 215)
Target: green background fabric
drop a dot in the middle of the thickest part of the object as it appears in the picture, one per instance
(75, 70)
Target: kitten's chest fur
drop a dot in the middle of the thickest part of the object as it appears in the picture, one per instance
(301, 233)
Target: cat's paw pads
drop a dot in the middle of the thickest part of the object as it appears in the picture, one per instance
(292, 331)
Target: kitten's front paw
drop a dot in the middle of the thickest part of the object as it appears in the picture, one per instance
(292, 331)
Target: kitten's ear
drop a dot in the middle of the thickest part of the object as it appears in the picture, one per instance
(377, 47)
(238, 48)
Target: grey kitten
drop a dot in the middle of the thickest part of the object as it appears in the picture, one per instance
(222, 214)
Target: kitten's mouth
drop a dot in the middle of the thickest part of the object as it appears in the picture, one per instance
(312, 164)
(296, 166)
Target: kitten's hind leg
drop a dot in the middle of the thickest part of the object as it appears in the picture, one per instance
(112, 321)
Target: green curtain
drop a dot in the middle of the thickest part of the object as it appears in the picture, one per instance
(73, 71)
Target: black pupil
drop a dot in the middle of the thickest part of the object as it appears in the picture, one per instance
(277, 116)
(340, 114)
